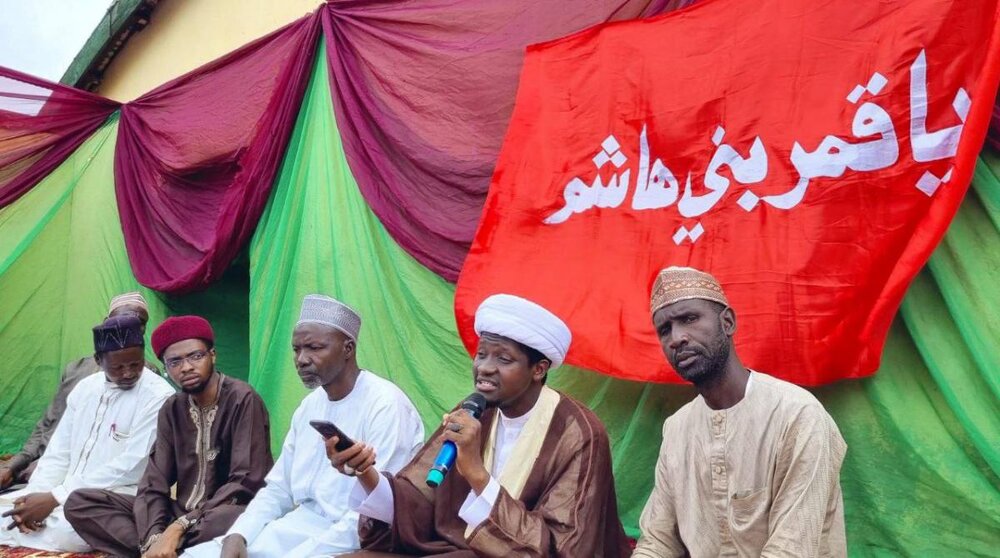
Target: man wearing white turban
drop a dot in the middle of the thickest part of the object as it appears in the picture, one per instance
(533, 478)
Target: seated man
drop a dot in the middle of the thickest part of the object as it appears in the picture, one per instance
(532, 479)
(103, 440)
(212, 440)
(19, 467)
(751, 467)
(303, 511)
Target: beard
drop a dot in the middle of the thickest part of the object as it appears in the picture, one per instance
(194, 390)
(712, 363)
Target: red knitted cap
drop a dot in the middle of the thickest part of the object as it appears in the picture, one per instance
(180, 328)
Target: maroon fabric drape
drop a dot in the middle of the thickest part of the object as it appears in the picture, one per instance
(41, 123)
(423, 92)
(196, 157)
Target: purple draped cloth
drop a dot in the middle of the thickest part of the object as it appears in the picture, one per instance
(197, 156)
(423, 92)
(41, 123)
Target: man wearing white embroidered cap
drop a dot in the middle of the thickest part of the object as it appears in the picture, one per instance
(533, 478)
(750, 467)
(303, 510)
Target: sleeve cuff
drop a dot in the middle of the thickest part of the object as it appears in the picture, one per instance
(17, 463)
(60, 494)
(379, 504)
(476, 509)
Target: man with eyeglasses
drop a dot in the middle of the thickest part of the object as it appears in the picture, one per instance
(102, 441)
(212, 441)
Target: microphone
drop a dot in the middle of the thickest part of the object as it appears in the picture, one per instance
(474, 404)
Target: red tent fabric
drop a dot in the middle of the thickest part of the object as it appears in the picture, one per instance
(41, 123)
(196, 157)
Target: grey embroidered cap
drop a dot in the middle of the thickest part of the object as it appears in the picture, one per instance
(321, 309)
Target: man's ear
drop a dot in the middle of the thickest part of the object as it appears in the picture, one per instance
(350, 345)
(728, 319)
(540, 369)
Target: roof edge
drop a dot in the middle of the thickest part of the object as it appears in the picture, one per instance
(122, 20)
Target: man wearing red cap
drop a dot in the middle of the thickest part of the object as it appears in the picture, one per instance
(212, 440)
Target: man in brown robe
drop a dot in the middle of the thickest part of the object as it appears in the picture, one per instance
(212, 440)
(532, 479)
(16, 471)
(750, 467)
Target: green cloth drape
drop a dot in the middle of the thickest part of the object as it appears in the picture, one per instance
(921, 475)
(921, 472)
(62, 258)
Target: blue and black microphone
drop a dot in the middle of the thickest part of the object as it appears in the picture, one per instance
(474, 404)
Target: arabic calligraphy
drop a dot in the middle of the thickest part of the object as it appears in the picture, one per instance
(874, 146)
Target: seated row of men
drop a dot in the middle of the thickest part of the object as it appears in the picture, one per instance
(750, 467)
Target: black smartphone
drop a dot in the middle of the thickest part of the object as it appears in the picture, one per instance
(328, 430)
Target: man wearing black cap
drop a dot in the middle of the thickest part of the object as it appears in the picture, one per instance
(212, 445)
(15, 472)
(103, 441)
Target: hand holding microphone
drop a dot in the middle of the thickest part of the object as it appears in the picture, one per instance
(462, 447)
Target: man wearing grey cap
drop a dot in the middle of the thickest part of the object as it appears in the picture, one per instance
(303, 509)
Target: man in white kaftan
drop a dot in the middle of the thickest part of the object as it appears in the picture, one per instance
(103, 440)
(303, 509)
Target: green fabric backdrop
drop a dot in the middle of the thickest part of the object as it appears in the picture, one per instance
(921, 475)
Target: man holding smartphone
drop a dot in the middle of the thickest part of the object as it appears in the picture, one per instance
(303, 510)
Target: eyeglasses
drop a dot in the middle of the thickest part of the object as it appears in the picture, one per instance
(194, 358)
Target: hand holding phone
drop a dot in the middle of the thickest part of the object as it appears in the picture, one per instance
(328, 430)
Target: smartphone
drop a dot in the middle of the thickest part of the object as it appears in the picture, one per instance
(329, 430)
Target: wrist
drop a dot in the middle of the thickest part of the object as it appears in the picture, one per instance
(174, 531)
(369, 479)
(479, 479)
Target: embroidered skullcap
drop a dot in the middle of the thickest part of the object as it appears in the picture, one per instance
(181, 328)
(320, 309)
(130, 299)
(118, 332)
(675, 284)
(527, 323)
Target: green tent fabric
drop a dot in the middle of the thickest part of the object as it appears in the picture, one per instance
(62, 258)
(921, 476)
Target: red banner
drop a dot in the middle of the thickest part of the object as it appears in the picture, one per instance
(808, 154)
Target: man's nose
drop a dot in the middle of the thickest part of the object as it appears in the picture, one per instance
(678, 337)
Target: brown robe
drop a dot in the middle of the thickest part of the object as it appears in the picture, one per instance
(567, 507)
(218, 458)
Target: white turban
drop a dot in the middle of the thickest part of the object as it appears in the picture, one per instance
(525, 322)
(320, 309)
